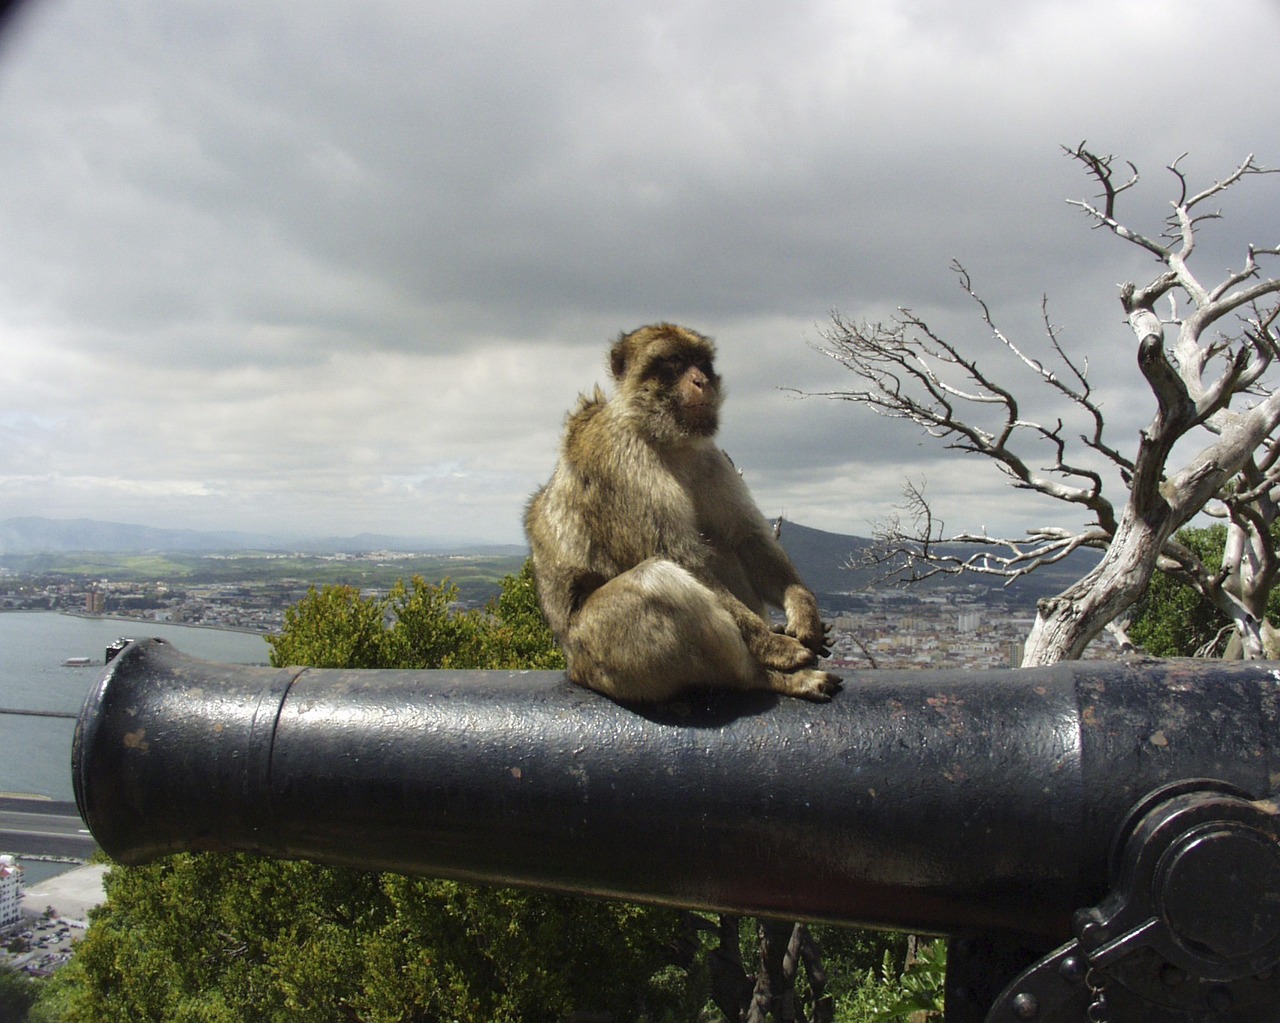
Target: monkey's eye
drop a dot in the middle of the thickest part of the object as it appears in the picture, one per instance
(669, 367)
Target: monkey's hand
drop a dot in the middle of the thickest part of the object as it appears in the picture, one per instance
(819, 643)
(803, 622)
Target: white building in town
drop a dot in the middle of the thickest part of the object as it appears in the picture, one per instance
(10, 893)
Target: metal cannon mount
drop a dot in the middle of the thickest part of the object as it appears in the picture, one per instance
(1098, 840)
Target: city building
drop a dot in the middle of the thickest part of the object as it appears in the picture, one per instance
(10, 893)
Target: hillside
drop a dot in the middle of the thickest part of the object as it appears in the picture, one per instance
(831, 565)
(829, 562)
(34, 535)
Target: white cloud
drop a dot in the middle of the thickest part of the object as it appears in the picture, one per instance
(346, 267)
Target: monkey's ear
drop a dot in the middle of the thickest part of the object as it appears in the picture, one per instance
(618, 358)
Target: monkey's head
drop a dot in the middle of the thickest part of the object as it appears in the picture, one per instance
(667, 381)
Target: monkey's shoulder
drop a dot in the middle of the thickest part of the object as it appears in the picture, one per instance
(600, 434)
(585, 427)
(588, 408)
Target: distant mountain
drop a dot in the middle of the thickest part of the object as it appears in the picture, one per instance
(822, 558)
(39, 536)
(363, 542)
(33, 535)
(830, 563)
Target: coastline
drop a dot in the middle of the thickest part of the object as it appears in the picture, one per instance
(35, 748)
(151, 621)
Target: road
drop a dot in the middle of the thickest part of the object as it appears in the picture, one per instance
(37, 827)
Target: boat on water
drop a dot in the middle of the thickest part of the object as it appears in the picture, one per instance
(77, 662)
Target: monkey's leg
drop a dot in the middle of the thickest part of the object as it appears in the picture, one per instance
(785, 664)
(655, 631)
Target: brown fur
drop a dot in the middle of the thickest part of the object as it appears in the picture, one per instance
(653, 564)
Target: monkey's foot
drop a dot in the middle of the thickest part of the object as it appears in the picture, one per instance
(780, 652)
(807, 683)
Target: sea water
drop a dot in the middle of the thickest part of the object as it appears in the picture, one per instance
(35, 752)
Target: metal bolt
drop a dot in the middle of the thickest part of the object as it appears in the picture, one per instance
(1219, 999)
(1171, 976)
(1025, 1005)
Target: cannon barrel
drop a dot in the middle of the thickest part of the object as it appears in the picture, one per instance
(942, 801)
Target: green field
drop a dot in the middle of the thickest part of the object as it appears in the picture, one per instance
(476, 576)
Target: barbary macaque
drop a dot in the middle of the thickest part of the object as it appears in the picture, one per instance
(653, 564)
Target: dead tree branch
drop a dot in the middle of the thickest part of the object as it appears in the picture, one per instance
(1203, 378)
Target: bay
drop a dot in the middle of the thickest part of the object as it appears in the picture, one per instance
(35, 752)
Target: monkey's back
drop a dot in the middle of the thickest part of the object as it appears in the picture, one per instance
(609, 505)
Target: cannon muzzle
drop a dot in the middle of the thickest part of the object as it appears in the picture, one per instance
(941, 801)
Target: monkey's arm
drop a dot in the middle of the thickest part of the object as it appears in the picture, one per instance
(774, 648)
(745, 542)
(561, 555)
(803, 620)
(776, 580)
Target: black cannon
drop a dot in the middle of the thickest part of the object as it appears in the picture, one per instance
(1096, 838)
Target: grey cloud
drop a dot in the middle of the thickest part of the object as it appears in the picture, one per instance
(335, 248)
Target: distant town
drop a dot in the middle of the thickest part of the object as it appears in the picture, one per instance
(946, 627)
(959, 627)
(248, 606)
(244, 591)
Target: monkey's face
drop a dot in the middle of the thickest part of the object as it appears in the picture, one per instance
(667, 381)
(694, 395)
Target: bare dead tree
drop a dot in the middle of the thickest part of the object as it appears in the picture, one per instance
(908, 371)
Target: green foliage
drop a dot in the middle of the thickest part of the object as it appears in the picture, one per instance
(55, 999)
(417, 626)
(456, 950)
(891, 995)
(332, 628)
(922, 986)
(853, 956)
(214, 938)
(1172, 620)
(230, 937)
(17, 995)
(517, 635)
(425, 633)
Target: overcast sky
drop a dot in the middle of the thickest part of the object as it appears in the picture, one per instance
(327, 267)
